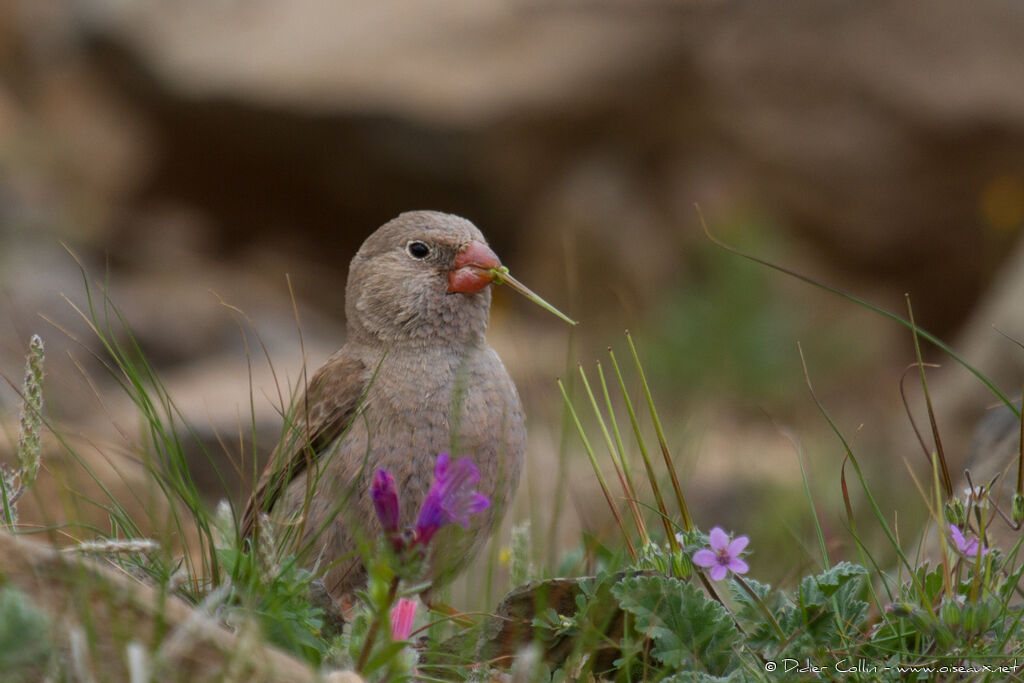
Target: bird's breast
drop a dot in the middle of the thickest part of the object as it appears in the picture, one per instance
(427, 403)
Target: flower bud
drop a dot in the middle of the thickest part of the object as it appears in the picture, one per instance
(682, 567)
(951, 613)
(385, 500)
(651, 556)
(955, 512)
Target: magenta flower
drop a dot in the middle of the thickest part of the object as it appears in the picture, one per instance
(451, 498)
(385, 500)
(968, 548)
(402, 616)
(723, 557)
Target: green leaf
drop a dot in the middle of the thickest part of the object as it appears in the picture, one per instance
(761, 635)
(931, 582)
(689, 631)
(830, 609)
(383, 654)
(815, 591)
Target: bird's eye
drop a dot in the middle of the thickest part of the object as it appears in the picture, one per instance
(417, 249)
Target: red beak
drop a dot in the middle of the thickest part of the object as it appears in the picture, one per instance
(471, 271)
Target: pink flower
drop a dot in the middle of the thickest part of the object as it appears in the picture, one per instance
(968, 548)
(402, 616)
(723, 557)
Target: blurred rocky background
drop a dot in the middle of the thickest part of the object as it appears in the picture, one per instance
(214, 165)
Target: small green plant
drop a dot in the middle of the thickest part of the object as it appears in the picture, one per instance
(278, 596)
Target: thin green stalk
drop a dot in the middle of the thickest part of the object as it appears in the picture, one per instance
(597, 471)
(879, 516)
(1020, 465)
(630, 497)
(651, 476)
(9, 518)
(760, 603)
(910, 415)
(680, 500)
(849, 457)
(563, 464)
(492, 563)
(814, 509)
(375, 625)
(1014, 579)
(946, 481)
(503, 277)
(947, 580)
(619, 445)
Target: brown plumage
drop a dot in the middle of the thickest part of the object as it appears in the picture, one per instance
(414, 378)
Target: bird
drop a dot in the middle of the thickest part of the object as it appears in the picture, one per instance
(414, 378)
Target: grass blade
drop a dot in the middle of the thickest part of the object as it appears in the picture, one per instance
(651, 476)
(946, 481)
(597, 471)
(680, 500)
(620, 447)
(630, 498)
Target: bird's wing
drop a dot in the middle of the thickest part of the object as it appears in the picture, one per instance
(322, 415)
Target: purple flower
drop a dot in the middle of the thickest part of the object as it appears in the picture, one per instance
(723, 557)
(968, 548)
(451, 497)
(385, 500)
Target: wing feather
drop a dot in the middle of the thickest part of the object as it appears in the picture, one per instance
(323, 414)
